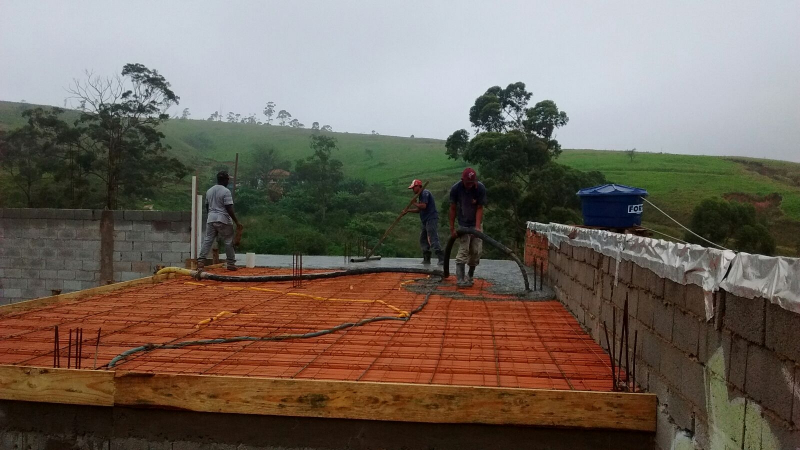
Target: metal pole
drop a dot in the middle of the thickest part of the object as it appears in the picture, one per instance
(193, 238)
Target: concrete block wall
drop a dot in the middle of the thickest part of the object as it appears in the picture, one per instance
(535, 249)
(732, 382)
(43, 251)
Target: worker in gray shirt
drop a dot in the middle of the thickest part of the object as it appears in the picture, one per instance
(220, 222)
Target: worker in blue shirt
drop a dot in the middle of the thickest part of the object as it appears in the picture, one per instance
(425, 206)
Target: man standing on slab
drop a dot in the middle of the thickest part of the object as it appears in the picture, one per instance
(467, 198)
(425, 206)
(220, 222)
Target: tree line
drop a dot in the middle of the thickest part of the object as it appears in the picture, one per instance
(283, 117)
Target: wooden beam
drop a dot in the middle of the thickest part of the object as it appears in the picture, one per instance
(43, 302)
(388, 401)
(76, 387)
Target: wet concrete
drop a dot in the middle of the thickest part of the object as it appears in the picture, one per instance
(504, 276)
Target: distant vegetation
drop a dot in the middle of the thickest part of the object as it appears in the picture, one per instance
(283, 209)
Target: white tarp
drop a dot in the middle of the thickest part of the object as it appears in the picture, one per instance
(681, 263)
(774, 278)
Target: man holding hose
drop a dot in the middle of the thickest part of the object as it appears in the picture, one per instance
(467, 198)
(425, 206)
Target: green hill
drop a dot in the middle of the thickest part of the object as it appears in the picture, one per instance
(676, 183)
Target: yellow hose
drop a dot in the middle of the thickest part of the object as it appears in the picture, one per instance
(177, 270)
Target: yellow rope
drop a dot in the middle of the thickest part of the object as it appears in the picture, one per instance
(400, 312)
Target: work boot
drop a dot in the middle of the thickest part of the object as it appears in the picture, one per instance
(201, 264)
(426, 258)
(461, 279)
(470, 274)
(231, 267)
(440, 256)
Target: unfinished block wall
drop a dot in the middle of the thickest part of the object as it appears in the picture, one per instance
(732, 382)
(43, 251)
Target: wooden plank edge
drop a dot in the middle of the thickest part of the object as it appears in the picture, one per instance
(67, 386)
(388, 401)
(77, 295)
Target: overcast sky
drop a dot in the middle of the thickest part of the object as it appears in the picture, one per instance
(699, 77)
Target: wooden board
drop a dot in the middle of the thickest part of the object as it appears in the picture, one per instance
(77, 387)
(27, 305)
(388, 401)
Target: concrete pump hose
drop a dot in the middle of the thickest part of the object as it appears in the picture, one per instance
(479, 234)
(309, 276)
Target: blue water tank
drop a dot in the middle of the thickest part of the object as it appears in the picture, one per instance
(612, 206)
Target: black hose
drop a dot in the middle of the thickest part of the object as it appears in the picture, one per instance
(510, 253)
(319, 276)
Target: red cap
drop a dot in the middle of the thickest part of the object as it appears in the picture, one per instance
(469, 175)
(415, 183)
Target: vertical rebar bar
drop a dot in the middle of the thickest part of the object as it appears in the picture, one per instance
(96, 348)
(69, 350)
(55, 345)
(541, 275)
(58, 348)
(611, 357)
(633, 377)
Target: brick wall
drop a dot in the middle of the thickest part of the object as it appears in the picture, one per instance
(536, 250)
(729, 383)
(42, 250)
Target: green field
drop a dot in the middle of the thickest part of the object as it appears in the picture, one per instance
(676, 183)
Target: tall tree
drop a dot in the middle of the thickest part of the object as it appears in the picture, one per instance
(283, 116)
(119, 132)
(185, 114)
(315, 126)
(231, 118)
(514, 149)
(326, 128)
(269, 111)
(296, 124)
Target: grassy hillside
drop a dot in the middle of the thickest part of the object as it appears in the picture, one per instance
(677, 183)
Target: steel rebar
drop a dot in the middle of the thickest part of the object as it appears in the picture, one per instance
(96, 348)
(611, 357)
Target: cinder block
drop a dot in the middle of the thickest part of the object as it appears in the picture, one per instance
(83, 275)
(84, 255)
(13, 273)
(122, 266)
(783, 332)
(82, 214)
(123, 246)
(680, 411)
(173, 216)
(695, 300)
(90, 265)
(66, 253)
(142, 246)
(131, 256)
(66, 275)
(153, 257)
(693, 382)
(132, 215)
(67, 233)
(89, 284)
(183, 246)
(710, 343)
(171, 258)
(639, 277)
(665, 430)
(47, 252)
(663, 319)
(36, 283)
(770, 381)
(686, 332)
(127, 276)
(54, 263)
(650, 348)
(73, 264)
(30, 273)
(142, 267)
(737, 359)
(675, 293)
(746, 317)
(11, 293)
(51, 284)
(72, 285)
(672, 363)
(646, 308)
(87, 234)
(625, 272)
(134, 236)
(15, 283)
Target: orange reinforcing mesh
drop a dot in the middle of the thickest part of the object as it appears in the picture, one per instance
(493, 340)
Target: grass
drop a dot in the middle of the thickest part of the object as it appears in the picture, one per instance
(677, 183)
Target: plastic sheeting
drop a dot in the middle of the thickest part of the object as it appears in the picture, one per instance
(774, 278)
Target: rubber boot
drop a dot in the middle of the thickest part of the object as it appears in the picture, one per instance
(440, 256)
(470, 274)
(426, 258)
(461, 279)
